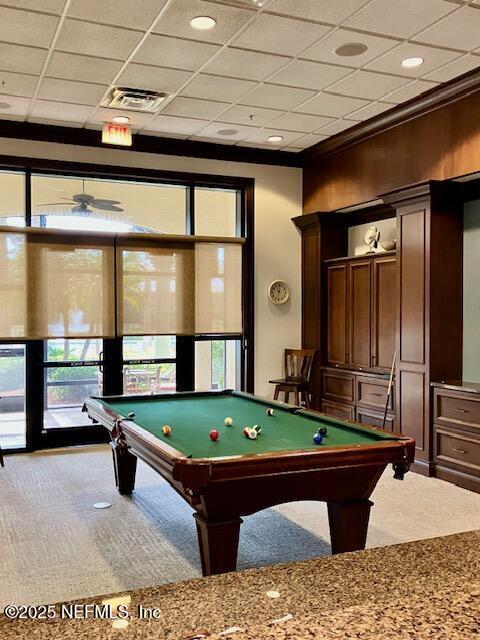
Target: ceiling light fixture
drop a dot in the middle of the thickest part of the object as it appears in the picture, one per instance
(4, 105)
(275, 138)
(227, 132)
(203, 23)
(121, 119)
(350, 49)
(409, 63)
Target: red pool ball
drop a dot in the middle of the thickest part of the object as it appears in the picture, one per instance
(213, 435)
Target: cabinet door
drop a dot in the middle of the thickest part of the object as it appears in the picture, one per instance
(337, 314)
(360, 313)
(337, 410)
(384, 311)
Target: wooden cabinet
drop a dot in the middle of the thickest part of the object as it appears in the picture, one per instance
(361, 316)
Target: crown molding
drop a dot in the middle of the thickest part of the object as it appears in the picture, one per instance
(431, 100)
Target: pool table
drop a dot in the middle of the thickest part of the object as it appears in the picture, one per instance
(234, 476)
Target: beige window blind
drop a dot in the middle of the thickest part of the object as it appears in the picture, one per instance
(66, 284)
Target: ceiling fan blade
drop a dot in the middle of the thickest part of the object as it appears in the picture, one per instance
(55, 204)
(83, 198)
(98, 201)
(105, 206)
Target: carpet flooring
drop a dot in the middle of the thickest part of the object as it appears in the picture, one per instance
(55, 546)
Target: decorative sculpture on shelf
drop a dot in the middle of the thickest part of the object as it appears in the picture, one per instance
(372, 236)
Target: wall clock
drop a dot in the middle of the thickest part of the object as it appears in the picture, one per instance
(278, 292)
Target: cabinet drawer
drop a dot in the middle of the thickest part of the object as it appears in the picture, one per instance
(366, 416)
(456, 410)
(339, 387)
(459, 449)
(372, 393)
(344, 411)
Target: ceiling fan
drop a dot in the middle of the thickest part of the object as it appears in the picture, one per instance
(83, 201)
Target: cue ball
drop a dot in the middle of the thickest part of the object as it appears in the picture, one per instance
(213, 435)
(228, 421)
(166, 430)
(269, 411)
(318, 438)
(322, 431)
(131, 415)
(252, 434)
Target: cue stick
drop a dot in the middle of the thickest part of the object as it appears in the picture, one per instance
(389, 389)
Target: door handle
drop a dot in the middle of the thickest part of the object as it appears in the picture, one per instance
(100, 357)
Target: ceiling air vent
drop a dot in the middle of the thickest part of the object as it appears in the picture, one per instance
(134, 99)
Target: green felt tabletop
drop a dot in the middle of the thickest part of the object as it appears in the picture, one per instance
(192, 417)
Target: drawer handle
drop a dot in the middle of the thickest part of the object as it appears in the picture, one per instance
(462, 410)
(460, 451)
(379, 395)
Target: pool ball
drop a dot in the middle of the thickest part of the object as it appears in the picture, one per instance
(322, 431)
(213, 435)
(257, 428)
(131, 415)
(246, 431)
(318, 438)
(166, 430)
(252, 434)
(228, 421)
(270, 411)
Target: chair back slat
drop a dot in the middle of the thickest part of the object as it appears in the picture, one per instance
(298, 364)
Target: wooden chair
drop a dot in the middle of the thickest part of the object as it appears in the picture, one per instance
(298, 367)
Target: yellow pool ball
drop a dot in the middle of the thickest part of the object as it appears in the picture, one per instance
(166, 430)
(228, 421)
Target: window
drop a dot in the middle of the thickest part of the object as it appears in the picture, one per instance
(149, 364)
(217, 365)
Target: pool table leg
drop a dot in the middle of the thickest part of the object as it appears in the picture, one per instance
(218, 542)
(125, 466)
(348, 524)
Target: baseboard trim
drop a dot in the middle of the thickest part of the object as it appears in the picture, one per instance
(458, 478)
(422, 468)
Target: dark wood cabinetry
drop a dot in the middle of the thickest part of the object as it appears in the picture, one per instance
(361, 319)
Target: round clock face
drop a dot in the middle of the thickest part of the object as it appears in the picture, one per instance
(279, 292)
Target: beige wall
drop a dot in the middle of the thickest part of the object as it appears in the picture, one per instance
(278, 198)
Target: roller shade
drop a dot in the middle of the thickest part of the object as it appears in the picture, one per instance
(65, 284)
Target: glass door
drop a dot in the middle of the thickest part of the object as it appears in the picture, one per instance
(13, 423)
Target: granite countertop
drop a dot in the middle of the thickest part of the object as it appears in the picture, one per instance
(419, 590)
(458, 385)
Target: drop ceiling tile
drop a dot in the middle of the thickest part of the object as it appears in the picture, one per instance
(324, 51)
(292, 149)
(309, 75)
(224, 141)
(21, 59)
(70, 91)
(276, 97)
(400, 19)
(193, 108)
(370, 111)
(367, 84)
(327, 104)
(410, 91)
(255, 116)
(240, 63)
(309, 141)
(459, 31)
(153, 78)
(337, 127)
(212, 131)
(163, 51)
(26, 27)
(137, 118)
(218, 88)
(176, 20)
(135, 15)
(69, 66)
(300, 122)
(177, 126)
(18, 84)
(391, 62)
(270, 146)
(60, 111)
(18, 107)
(46, 6)
(455, 69)
(97, 40)
(275, 34)
(332, 11)
(262, 135)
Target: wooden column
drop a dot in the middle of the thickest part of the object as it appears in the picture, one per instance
(321, 239)
(429, 310)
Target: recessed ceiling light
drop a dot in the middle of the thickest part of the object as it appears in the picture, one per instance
(275, 138)
(412, 62)
(350, 49)
(227, 132)
(4, 105)
(203, 23)
(121, 119)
